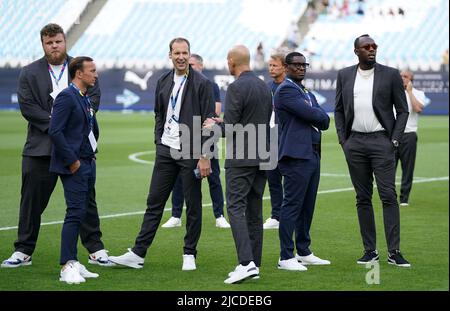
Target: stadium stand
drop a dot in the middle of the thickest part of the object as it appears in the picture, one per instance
(136, 33)
(414, 39)
(21, 21)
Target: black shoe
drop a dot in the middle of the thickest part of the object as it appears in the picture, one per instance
(369, 256)
(396, 258)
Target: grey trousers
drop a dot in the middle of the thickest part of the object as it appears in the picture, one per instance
(244, 192)
(368, 155)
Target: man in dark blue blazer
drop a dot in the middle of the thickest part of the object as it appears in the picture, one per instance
(300, 121)
(74, 133)
(39, 84)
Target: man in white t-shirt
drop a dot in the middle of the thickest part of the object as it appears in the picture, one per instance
(407, 149)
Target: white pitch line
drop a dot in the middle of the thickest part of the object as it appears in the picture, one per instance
(135, 158)
(210, 204)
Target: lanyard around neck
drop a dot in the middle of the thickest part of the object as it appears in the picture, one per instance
(90, 111)
(52, 73)
(173, 100)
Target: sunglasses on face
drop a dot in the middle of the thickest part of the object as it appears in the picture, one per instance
(368, 46)
(299, 65)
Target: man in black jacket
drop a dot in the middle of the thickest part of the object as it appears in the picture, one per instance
(369, 134)
(248, 106)
(183, 100)
(39, 84)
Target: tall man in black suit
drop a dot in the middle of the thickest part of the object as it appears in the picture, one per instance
(183, 99)
(248, 104)
(369, 134)
(39, 84)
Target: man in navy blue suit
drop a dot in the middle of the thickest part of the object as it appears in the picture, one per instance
(300, 121)
(74, 133)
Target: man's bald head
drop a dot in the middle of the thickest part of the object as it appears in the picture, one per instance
(240, 55)
(238, 59)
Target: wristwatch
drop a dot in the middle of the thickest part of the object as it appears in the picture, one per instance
(395, 143)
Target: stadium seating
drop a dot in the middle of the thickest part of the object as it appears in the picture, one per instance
(136, 33)
(21, 22)
(416, 39)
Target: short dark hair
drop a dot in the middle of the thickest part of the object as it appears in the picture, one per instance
(291, 55)
(356, 43)
(179, 39)
(77, 64)
(51, 30)
(198, 58)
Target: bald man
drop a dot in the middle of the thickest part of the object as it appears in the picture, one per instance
(248, 103)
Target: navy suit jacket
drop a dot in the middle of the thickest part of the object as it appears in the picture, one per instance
(296, 118)
(69, 127)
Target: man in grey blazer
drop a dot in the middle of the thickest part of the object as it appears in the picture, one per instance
(39, 84)
(369, 134)
(248, 104)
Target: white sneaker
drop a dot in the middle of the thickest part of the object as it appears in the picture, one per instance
(100, 258)
(271, 223)
(404, 204)
(221, 222)
(84, 272)
(311, 259)
(242, 273)
(128, 259)
(17, 259)
(291, 265)
(188, 263)
(70, 274)
(172, 222)
(255, 277)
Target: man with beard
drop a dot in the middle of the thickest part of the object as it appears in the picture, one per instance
(369, 134)
(39, 84)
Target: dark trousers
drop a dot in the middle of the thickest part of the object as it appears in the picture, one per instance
(406, 153)
(301, 181)
(165, 172)
(244, 193)
(368, 155)
(37, 187)
(76, 192)
(274, 179)
(215, 190)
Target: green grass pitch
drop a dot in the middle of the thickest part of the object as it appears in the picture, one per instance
(122, 186)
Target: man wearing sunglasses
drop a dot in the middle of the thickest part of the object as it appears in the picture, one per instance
(369, 134)
(301, 121)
